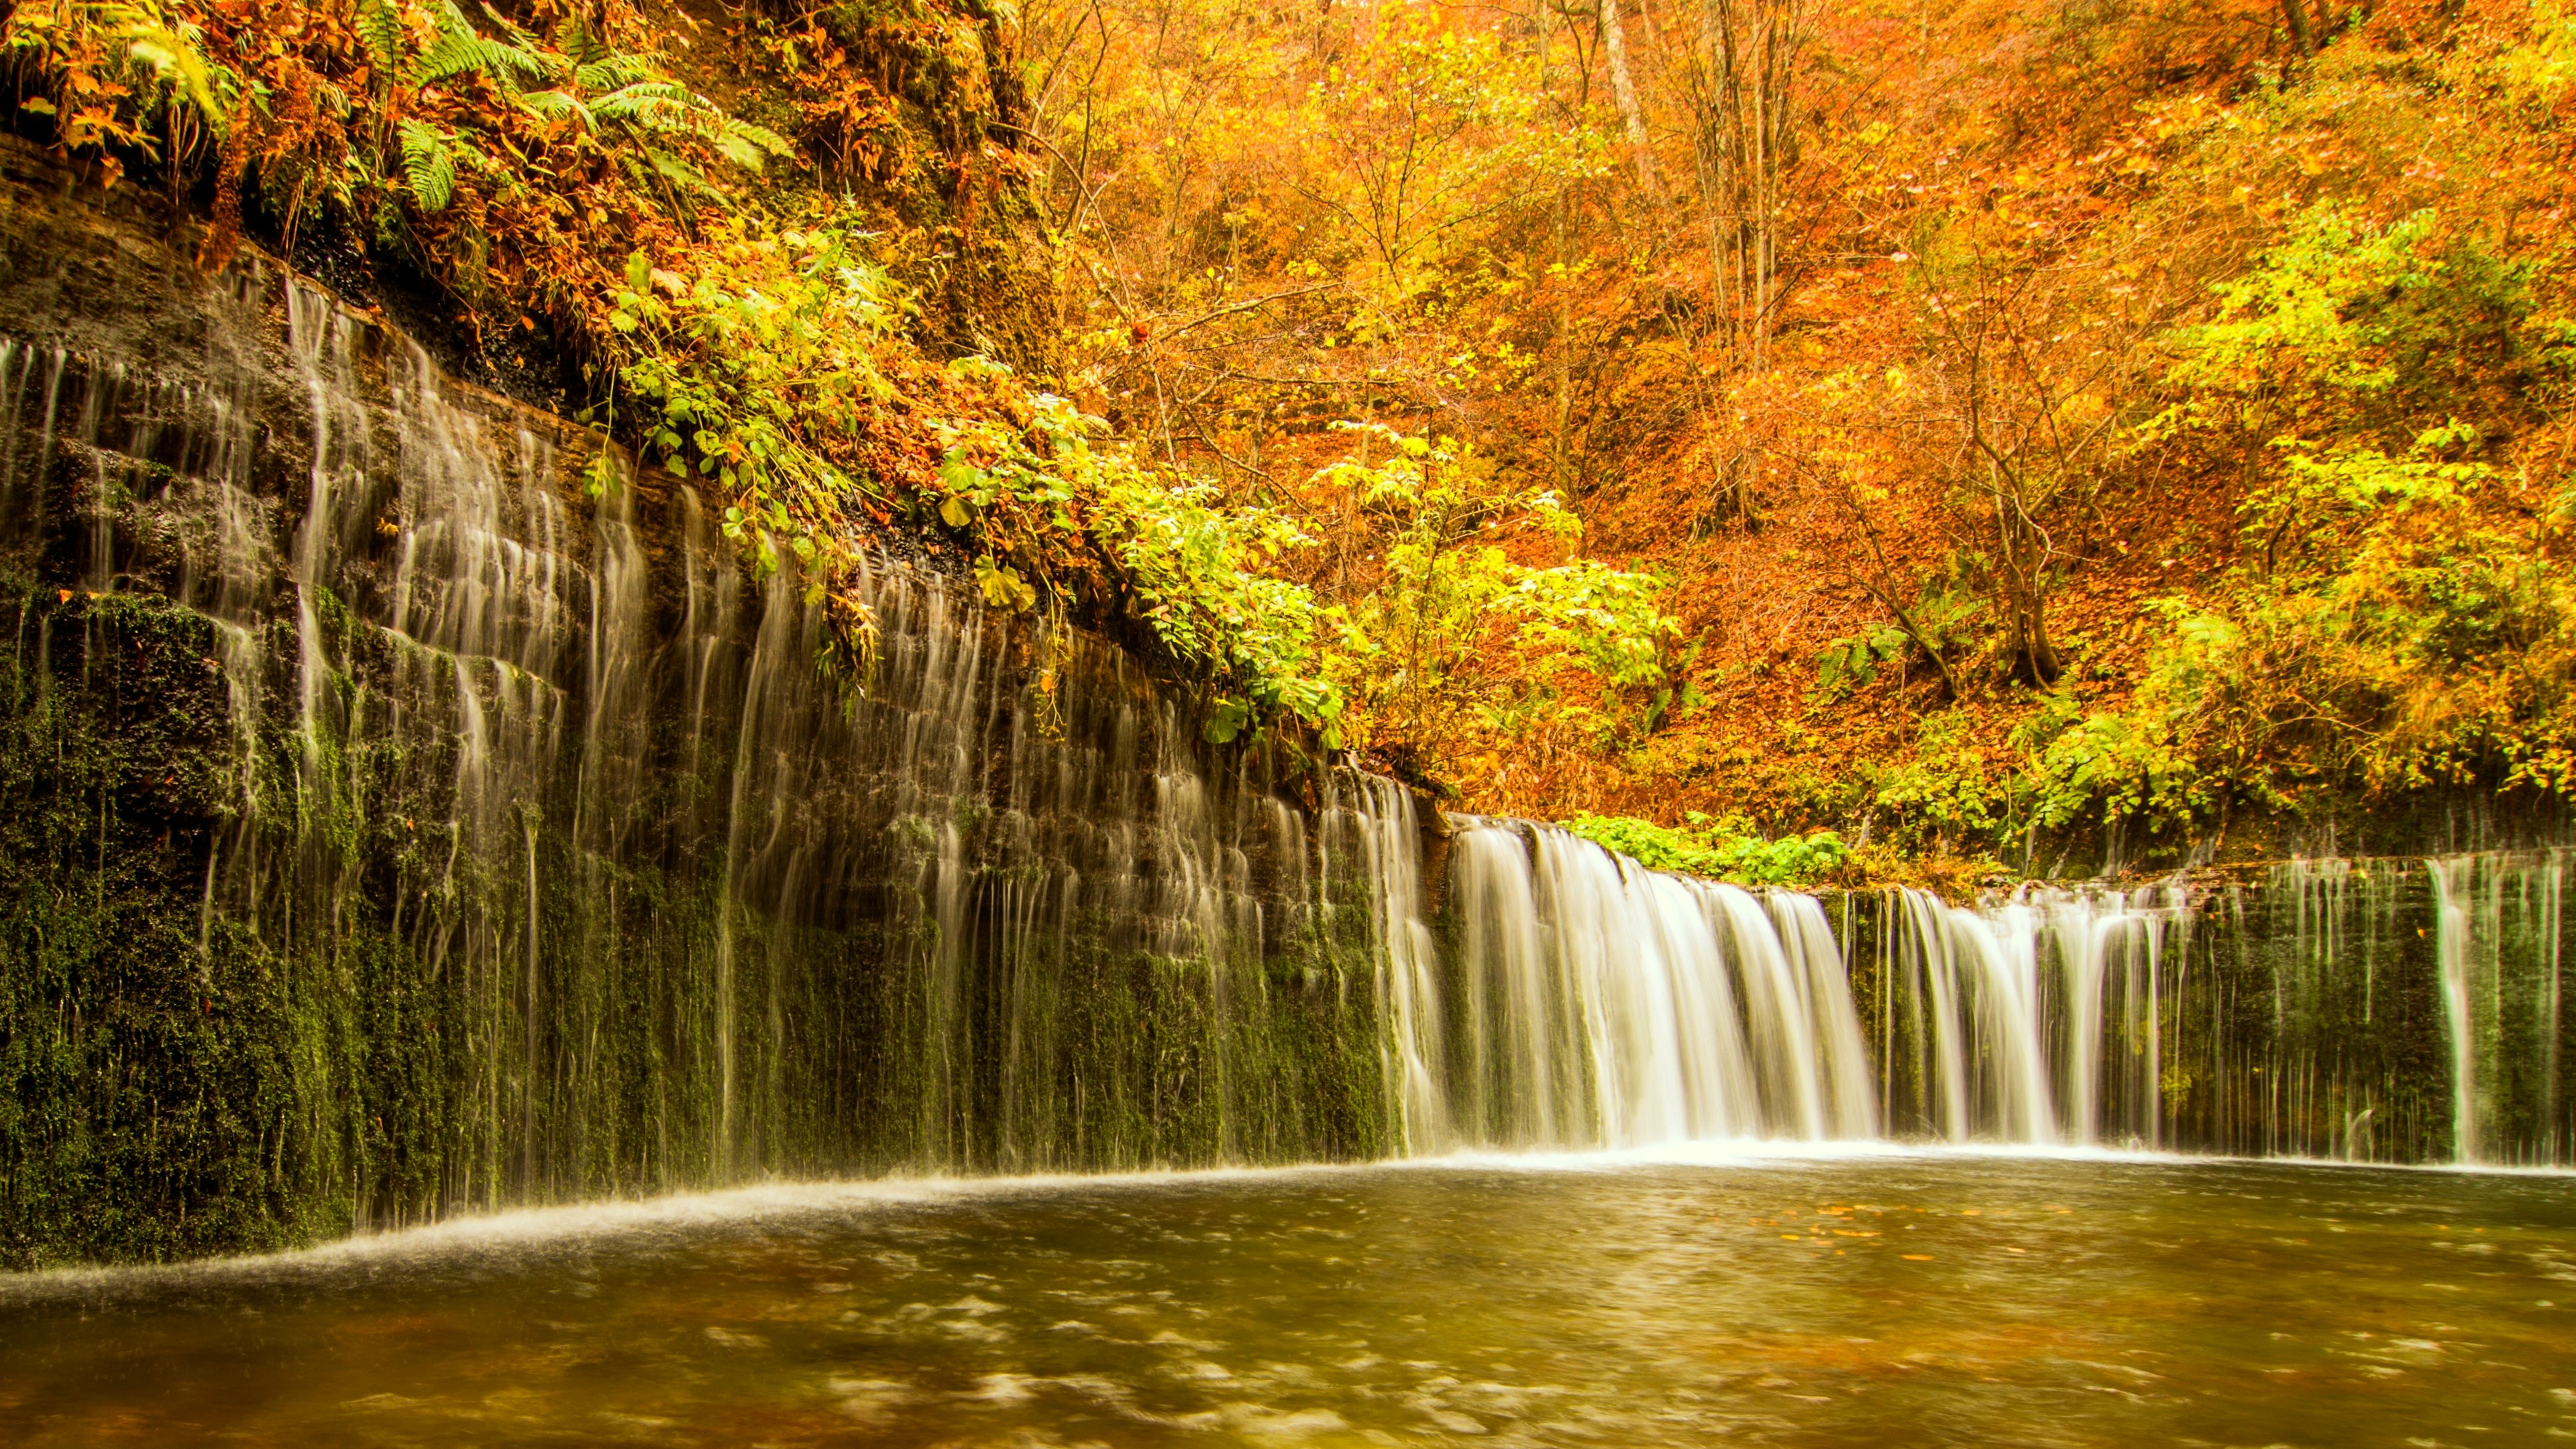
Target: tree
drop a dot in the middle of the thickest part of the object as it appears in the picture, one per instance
(1743, 97)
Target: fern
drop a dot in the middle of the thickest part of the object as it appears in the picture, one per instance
(176, 54)
(465, 53)
(554, 105)
(654, 107)
(387, 38)
(661, 108)
(600, 71)
(680, 172)
(429, 164)
(577, 41)
(748, 146)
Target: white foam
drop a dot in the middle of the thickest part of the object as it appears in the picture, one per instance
(462, 1237)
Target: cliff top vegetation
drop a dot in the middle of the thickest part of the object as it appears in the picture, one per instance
(1799, 436)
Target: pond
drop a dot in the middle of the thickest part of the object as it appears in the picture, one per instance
(1880, 1297)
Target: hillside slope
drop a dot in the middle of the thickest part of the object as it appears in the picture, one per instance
(2000, 435)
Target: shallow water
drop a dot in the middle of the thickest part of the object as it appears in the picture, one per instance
(1884, 1299)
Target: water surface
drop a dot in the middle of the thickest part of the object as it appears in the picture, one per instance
(1885, 1299)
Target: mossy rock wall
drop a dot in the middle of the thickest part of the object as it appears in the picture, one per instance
(390, 827)
(2342, 1009)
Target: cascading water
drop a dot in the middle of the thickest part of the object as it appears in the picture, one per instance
(2034, 1020)
(1600, 1004)
(401, 828)
(2500, 932)
(2378, 1010)
(2366, 1010)
(537, 862)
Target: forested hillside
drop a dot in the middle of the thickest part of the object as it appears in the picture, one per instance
(1979, 431)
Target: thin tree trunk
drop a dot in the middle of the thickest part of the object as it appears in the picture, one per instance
(1746, 151)
(2025, 586)
(1614, 42)
(1557, 450)
(1758, 167)
(2302, 39)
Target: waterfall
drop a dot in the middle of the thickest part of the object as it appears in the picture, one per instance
(403, 827)
(2499, 938)
(2364, 1010)
(1601, 1004)
(1372, 821)
(518, 825)
(1593, 1003)
(2036, 1019)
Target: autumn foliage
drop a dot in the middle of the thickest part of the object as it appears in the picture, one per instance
(1968, 429)
(2133, 418)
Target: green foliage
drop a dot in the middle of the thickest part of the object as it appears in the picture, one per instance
(120, 75)
(2305, 321)
(2118, 767)
(1449, 598)
(382, 30)
(2439, 653)
(2395, 619)
(429, 164)
(461, 50)
(1943, 796)
(1945, 616)
(2310, 513)
(760, 373)
(1054, 501)
(1718, 849)
(2371, 332)
(773, 372)
(1847, 664)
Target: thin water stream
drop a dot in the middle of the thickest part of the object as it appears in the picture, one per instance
(1883, 1298)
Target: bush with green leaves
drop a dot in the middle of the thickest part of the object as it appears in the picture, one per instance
(2400, 613)
(1943, 797)
(772, 372)
(1057, 507)
(1944, 618)
(1717, 849)
(1453, 629)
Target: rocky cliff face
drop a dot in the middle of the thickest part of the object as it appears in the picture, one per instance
(395, 825)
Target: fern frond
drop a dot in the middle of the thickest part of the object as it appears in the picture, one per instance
(607, 70)
(469, 54)
(177, 55)
(554, 105)
(749, 146)
(680, 173)
(429, 164)
(655, 107)
(575, 40)
(387, 38)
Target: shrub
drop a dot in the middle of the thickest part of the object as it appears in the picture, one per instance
(1717, 849)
